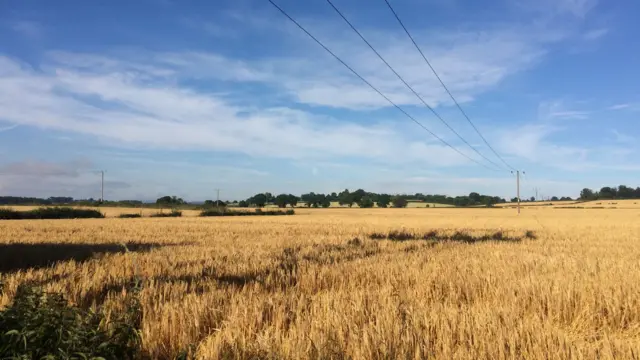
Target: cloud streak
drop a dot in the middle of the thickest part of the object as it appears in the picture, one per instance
(595, 34)
(44, 169)
(30, 29)
(10, 127)
(121, 106)
(469, 62)
(558, 110)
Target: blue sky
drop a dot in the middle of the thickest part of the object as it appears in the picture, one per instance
(183, 97)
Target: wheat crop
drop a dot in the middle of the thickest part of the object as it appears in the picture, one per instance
(317, 285)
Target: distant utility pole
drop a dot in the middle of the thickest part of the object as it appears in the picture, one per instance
(536, 189)
(102, 192)
(217, 199)
(518, 187)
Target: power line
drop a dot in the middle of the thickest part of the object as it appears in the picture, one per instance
(445, 87)
(407, 85)
(373, 87)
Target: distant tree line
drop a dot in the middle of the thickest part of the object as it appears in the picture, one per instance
(365, 199)
(19, 200)
(360, 197)
(119, 203)
(610, 193)
(532, 199)
(215, 203)
(170, 201)
(61, 200)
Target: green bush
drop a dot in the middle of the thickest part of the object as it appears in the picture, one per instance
(41, 325)
(216, 212)
(399, 202)
(9, 214)
(366, 202)
(173, 213)
(129, 216)
(50, 213)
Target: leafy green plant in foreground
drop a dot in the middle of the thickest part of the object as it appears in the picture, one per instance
(39, 325)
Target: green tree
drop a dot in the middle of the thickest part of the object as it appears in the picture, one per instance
(292, 200)
(625, 192)
(461, 201)
(607, 193)
(165, 200)
(269, 198)
(214, 203)
(474, 198)
(366, 202)
(259, 200)
(170, 201)
(358, 195)
(399, 202)
(243, 204)
(282, 200)
(345, 198)
(310, 199)
(325, 201)
(384, 200)
(587, 194)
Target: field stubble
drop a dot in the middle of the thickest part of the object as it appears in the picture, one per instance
(315, 285)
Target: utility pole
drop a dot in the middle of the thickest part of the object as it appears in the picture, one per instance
(102, 193)
(217, 199)
(536, 189)
(518, 187)
(518, 192)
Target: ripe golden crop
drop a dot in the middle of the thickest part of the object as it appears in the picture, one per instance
(315, 285)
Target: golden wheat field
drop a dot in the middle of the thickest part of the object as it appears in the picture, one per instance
(554, 284)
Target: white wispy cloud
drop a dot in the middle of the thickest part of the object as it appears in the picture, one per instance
(575, 8)
(7, 128)
(578, 8)
(30, 29)
(469, 62)
(623, 138)
(595, 34)
(535, 144)
(531, 143)
(559, 110)
(619, 106)
(570, 114)
(123, 107)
